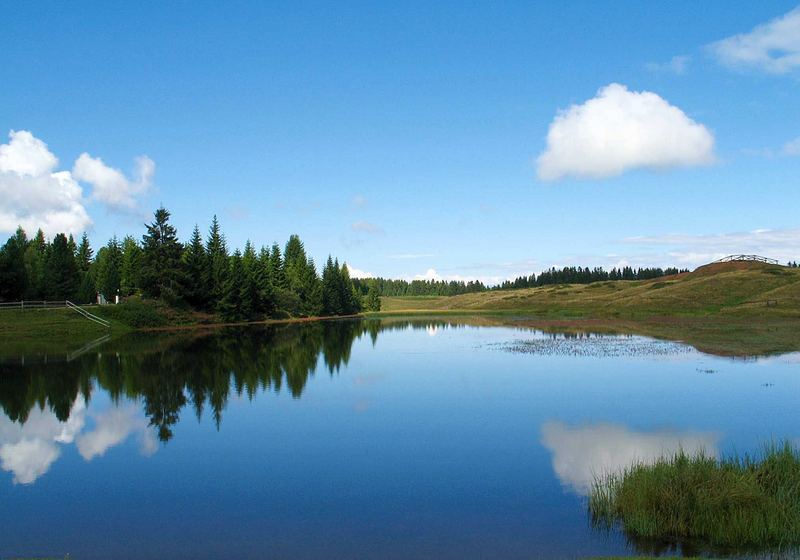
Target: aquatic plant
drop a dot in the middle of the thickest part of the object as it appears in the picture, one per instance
(734, 503)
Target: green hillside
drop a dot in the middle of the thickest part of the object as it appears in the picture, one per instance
(736, 289)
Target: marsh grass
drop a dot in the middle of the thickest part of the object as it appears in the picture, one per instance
(738, 503)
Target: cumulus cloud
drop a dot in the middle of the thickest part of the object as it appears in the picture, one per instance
(112, 428)
(619, 130)
(772, 47)
(33, 194)
(358, 273)
(582, 453)
(687, 250)
(109, 185)
(29, 450)
(432, 274)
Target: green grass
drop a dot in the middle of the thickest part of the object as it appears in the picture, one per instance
(61, 330)
(732, 309)
(738, 289)
(47, 331)
(734, 504)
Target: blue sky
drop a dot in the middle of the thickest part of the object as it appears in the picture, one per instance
(407, 139)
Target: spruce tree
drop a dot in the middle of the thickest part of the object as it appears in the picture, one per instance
(13, 278)
(85, 254)
(34, 266)
(217, 261)
(373, 302)
(351, 300)
(264, 283)
(197, 270)
(130, 273)
(161, 272)
(109, 265)
(331, 289)
(61, 271)
(230, 306)
(250, 291)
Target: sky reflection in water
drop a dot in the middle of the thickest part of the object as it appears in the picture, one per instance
(357, 438)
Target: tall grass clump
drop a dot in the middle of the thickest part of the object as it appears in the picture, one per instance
(734, 503)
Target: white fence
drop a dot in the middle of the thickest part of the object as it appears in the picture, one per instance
(42, 304)
(32, 304)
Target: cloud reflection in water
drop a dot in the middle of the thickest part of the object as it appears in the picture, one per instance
(584, 452)
(28, 450)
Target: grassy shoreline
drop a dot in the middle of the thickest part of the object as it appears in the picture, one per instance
(733, 309)
(729, 505)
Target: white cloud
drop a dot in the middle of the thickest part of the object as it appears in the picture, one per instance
(358, 273)
(676, 65)
(109, 185)
(112, 428)
(619, 130)
(580, 454)
(366, 227)
(32, 194)
(28, 459)
(685, 250)
(26, 155)
(772, 47)
(432, 274)
(792, 148)
(30, 449)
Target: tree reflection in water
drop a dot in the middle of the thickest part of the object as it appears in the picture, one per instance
(167, 372)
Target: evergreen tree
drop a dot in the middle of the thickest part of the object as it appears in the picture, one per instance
(161, 272)
(264, 283)
(86, 288)
(108, 272)
(85, 254)
(217, 261)
(373, 302)
(34, 266)
(301, 278)
(13, 278)
(195, 263)
(250, 293)
(61, 271)
(72, 246)
(276, 270)
(351, 299)
(331, 289)
(311, 295)
(231, 306)
(130, 272)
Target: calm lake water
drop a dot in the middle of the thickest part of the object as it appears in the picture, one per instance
(357, 439)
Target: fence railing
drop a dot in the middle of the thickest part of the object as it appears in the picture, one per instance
(90, 316)
(756, 258)
(33, 304)
(63, 304)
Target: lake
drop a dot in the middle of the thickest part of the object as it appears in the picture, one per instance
(358, 439)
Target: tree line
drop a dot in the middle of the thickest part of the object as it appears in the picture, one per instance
(201, 273)
(566, 275)
(586, 275)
